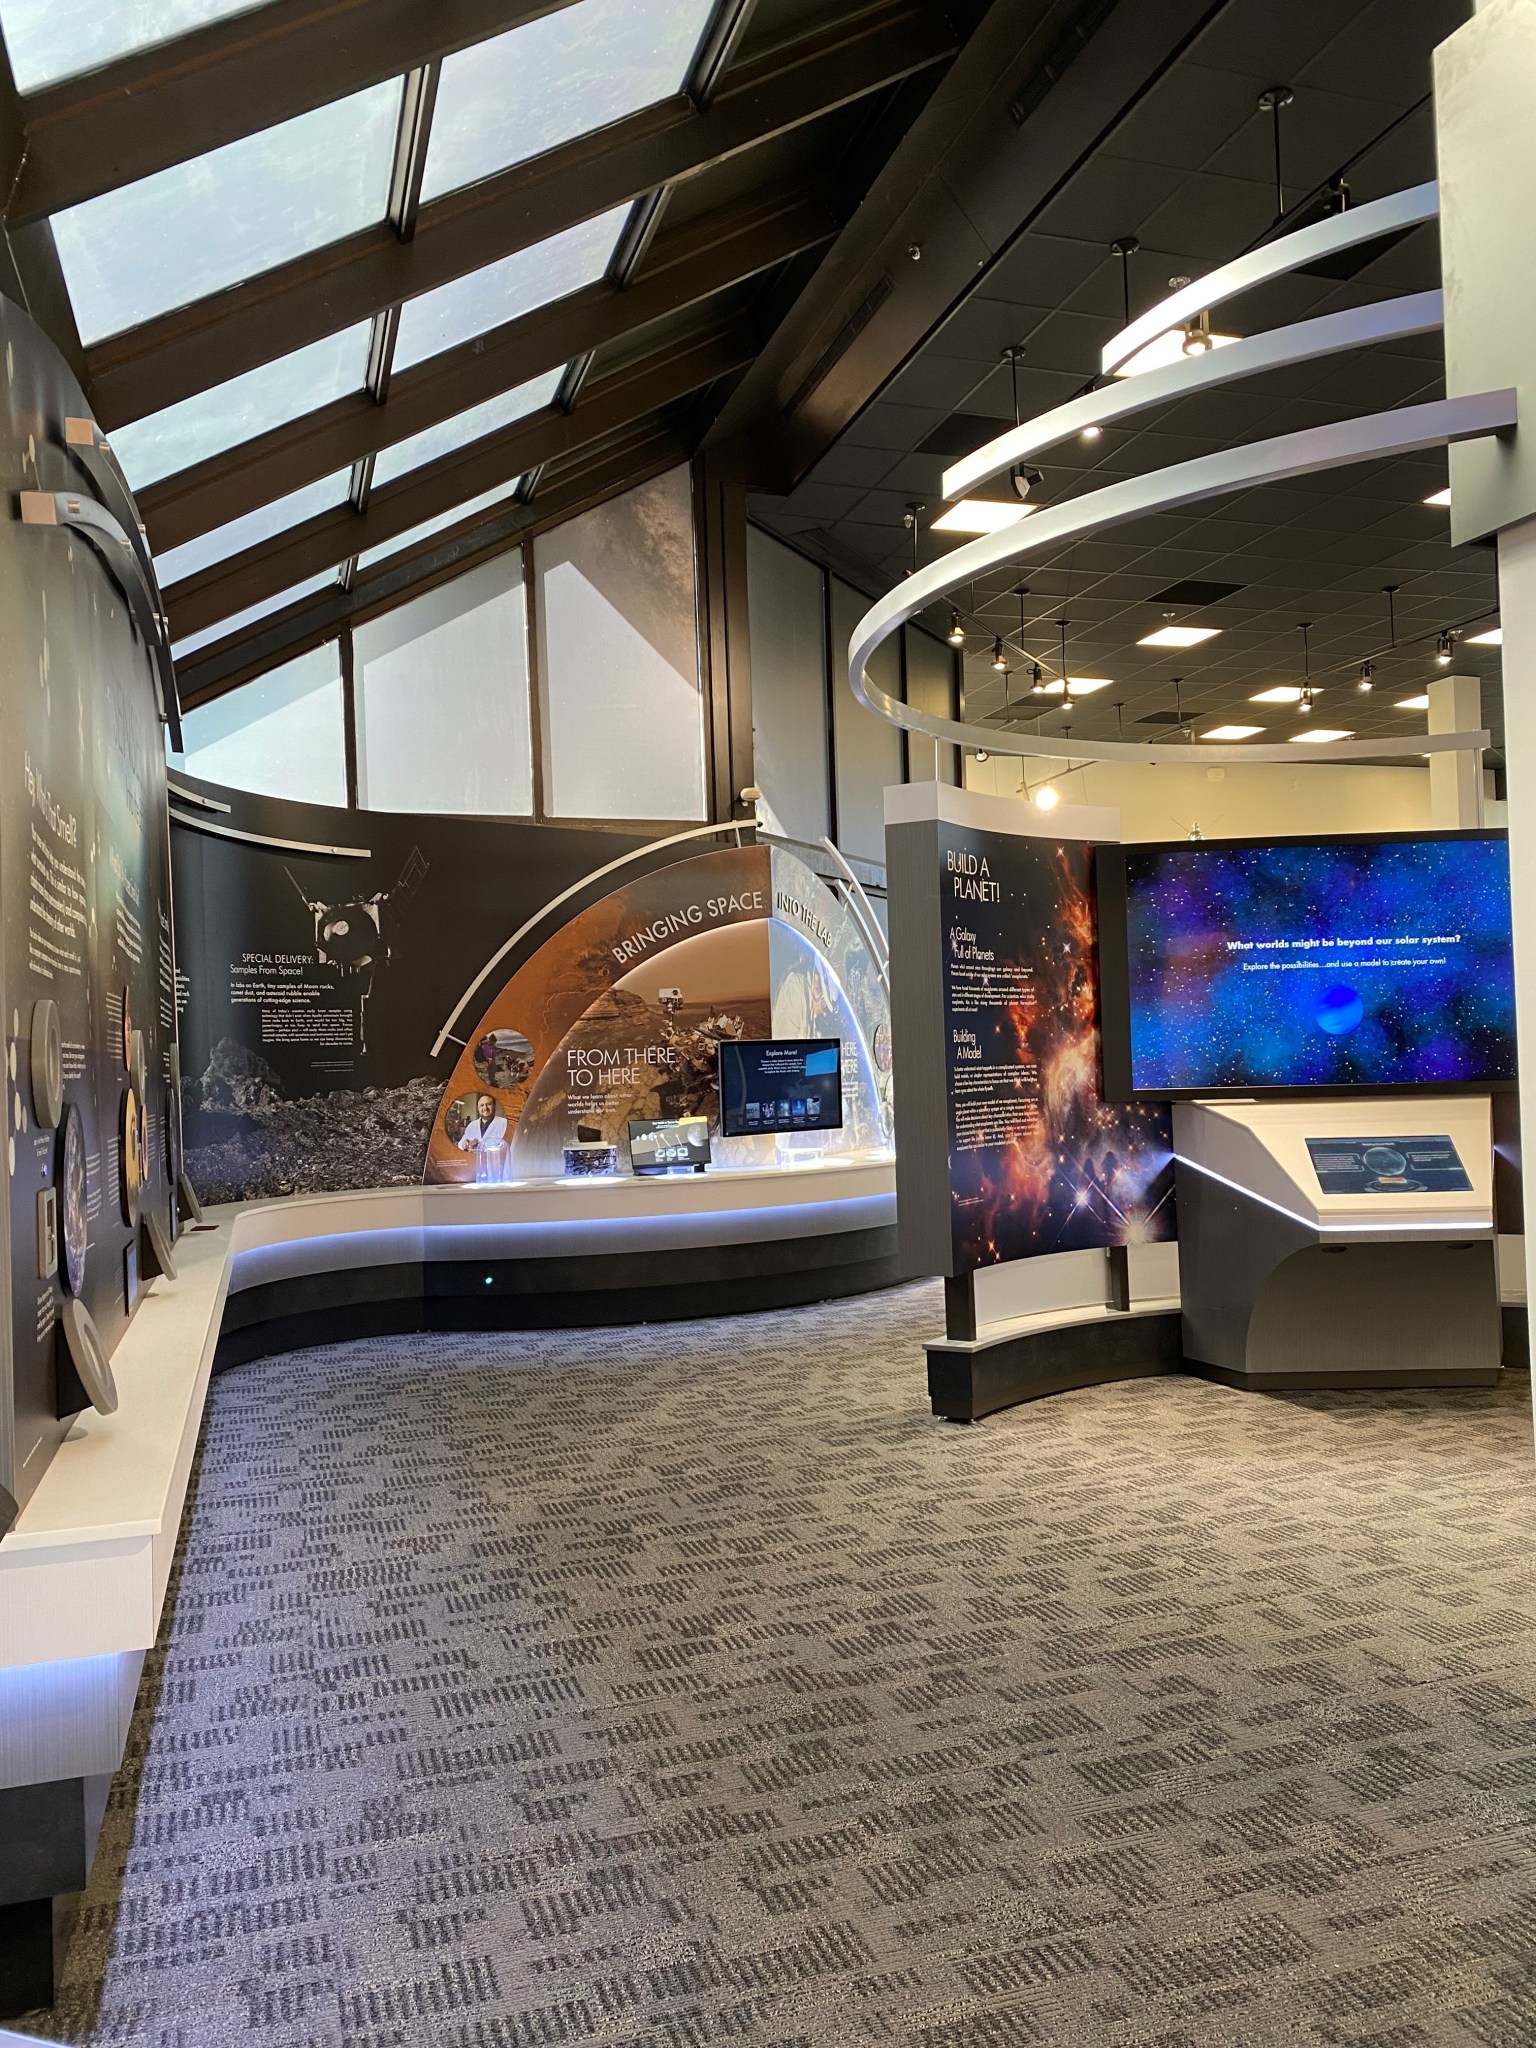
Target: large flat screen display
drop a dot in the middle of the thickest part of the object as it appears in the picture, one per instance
(780, 1084)
(1360, 963)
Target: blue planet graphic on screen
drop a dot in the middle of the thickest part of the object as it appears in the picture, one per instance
(1339, 1010)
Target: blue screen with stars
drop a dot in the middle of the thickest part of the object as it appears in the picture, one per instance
(1320, 964)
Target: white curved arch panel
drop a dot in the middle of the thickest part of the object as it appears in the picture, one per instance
(1332, 334)
(1375, 436)
(1340, 231)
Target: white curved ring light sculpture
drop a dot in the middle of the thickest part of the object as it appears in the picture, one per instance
(1405, 430)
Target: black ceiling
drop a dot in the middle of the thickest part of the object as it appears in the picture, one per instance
(1190, 173)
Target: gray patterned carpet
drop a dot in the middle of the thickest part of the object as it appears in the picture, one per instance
(691, 1685)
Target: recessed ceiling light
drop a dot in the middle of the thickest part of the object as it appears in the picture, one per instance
(1231, 732)
(1419, 703)
(1170, 348)
(1282, 693)
(981, 515)
(1080, 686)
(1178, 636)
(1439, 497)
(1494, 637)
(1315, 735)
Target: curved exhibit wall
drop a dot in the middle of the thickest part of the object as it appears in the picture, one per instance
(87, 928)
(355, 987)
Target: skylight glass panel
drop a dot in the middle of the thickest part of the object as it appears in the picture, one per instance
(193, 556)
(534, 87)
(271, 395)
(502, 291)
(181, 649)
(52, 39)
(202, 226)
(466, 427)
(440, 524)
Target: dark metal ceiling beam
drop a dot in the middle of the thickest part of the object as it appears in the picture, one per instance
(709, 256)
(186, 351)
(165, 105)
(325, 542)
(1038, 88)
(585, 482)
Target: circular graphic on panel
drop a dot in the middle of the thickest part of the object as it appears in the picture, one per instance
(1339, 1010)
(880, 1048)
(88, 1356)
(503, 1059)
(127, 1030)
(47, 1063)
(72, 1220)
(130, 1155)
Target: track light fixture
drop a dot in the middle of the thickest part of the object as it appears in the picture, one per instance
(956, 634)
(1197, 337)
(1445, 647)
(1367, 676)
(1024, 481)
(1037, 679)
(999, 659)
(1091, 433)
(982, 754)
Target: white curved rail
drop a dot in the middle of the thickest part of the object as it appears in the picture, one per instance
(1404, 431)
(1345, 230)
(1332, 334)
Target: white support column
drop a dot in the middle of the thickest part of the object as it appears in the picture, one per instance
(1517, 614)
(1455, 780)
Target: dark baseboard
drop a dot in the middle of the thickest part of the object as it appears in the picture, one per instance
(964, 1385)
(1321, 1382)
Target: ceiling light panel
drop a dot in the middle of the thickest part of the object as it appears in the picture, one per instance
(504, 291)
(1178, 636)
(47, 40)
(1232, 732)
(1281, 693)
(165, 443)
(440, 524)
(264, 610)
(1319, 735)
(981, 515)
(1439, 497)
(199, 227)
(581, 68)
(1418, 703)
(465, 427)
(1494, 637)
(193, 556)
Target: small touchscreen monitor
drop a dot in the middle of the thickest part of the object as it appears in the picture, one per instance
(659, 1144)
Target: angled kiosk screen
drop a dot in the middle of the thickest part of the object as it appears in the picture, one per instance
(780, 1084)
(1360, 963)
(1388, 1166)
(657, 1144)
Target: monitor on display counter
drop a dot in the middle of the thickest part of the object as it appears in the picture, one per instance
(772, 1085)
(1345, 965)
(663, 1144)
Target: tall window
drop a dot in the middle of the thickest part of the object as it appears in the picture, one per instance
(282, 735)
(441, 695)
(618, 641)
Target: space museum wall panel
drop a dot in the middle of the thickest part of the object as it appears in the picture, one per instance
(86, 964)
(353, 1016)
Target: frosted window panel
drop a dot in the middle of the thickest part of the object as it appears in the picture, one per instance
(466, 427)
(619, 655)
(503, 291)
(53, 39)
(184, 649)
(786, 608)
(280, 735)
(577, 69)
(930, 688)
(442, 699)
(164, 443)
(252, 528)
(440, 524)
(202, 226)
(867, 749)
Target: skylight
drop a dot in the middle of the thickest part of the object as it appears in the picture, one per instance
(440, 524)
(264, 610)
(193, 556)
(580, 68)
(502, 291)
(466, 427)
(52, 39)
(202, 226)
(269, 396)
